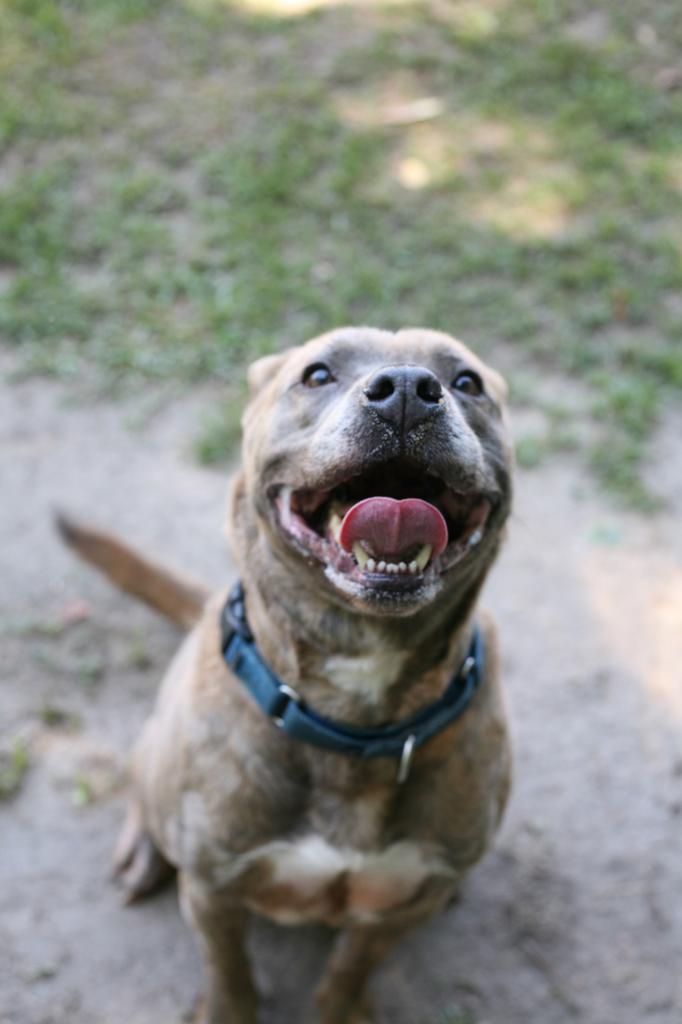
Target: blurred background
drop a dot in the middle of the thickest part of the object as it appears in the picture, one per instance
(188, 184)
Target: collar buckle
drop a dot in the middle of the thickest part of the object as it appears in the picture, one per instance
(234, 613)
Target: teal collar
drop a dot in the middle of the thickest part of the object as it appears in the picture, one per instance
(289, 712)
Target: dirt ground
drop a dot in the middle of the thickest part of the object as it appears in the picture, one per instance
(575, 915)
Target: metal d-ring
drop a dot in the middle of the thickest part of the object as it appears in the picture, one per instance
(286, 691)
(467, 667)
(406, 759)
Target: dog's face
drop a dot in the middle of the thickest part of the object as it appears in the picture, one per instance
(378, 463)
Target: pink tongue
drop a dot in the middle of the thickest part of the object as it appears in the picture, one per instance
(391, 527)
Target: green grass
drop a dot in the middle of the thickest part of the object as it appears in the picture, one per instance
(14, 764)
(187, 185)
(220, 432)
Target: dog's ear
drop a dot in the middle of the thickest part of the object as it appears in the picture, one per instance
(263, 370)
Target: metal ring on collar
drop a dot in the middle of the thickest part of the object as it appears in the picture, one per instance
(467, 666)
(406, 759)
(286, 691)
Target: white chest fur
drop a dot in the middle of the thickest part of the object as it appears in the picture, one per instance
(308, 879)
(368, 673)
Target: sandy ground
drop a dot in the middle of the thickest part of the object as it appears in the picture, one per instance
(576, 915)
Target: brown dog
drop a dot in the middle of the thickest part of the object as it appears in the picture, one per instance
(371, 504)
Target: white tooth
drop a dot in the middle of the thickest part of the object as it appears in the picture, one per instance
(413, 567)
(475, 537)
(286, 493)
(381, 567)
(423, 557)
(361, 555)
(335, 524)
(402, 566)
(394, 568)
(371, 565)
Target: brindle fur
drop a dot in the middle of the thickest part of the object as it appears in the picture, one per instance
(253, 820)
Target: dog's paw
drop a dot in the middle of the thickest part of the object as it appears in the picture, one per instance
(139, 867)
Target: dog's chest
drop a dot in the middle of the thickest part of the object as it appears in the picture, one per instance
(309, 879)
(368, 673)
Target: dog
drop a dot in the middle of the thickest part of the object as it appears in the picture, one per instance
(330, 742)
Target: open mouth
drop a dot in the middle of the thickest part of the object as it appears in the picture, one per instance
(388, 527)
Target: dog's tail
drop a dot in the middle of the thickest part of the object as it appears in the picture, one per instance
(176, 596)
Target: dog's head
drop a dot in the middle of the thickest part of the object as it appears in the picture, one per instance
(376, 465)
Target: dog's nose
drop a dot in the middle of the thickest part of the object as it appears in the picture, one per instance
(404, 396)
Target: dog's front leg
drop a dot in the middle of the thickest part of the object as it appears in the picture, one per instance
(230, 996)
(341, 995)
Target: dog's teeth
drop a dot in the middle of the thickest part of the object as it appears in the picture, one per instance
(423, 557)
(287, 493)
(402, 566)
(412, 567)
(381, 567)
(371, 565)
(335, 525)
(475, 537)
(361, 556)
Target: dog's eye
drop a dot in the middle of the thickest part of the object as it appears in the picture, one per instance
(469, 383)
(317, 375)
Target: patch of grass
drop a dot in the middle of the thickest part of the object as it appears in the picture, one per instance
(87, 666)
(616, 463)
(30, 626)
(139, 656)
(89, 669)
(632, 402)
(170, 208)
(14, 764)
(54, 717)
(40, 309)
(82, 792)
(557, 435)
(531, 451)
(220, 433)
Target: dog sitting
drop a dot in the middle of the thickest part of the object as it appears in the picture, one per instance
(330, 743)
